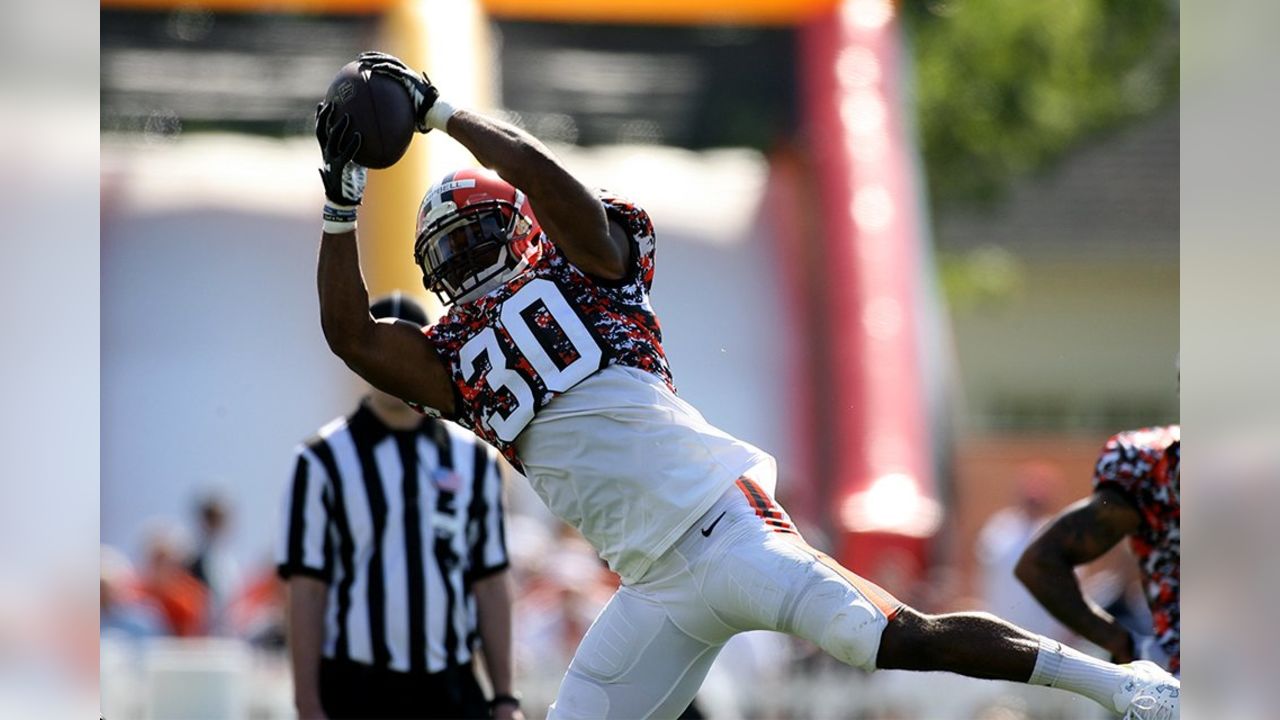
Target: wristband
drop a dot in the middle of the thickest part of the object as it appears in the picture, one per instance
(438, 114)
(339, 218)
(504, 699)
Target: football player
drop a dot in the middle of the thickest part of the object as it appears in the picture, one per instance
(551, 352)
(1136, 494)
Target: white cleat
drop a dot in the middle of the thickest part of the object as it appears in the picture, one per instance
(1150, 693)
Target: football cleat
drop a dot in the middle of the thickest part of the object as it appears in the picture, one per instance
(1150, 693)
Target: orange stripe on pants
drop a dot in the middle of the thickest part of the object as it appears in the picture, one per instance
(753, 495)
(888, 604)
(765, 507)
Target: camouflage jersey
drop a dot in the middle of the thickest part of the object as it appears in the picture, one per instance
(513, 350)
(1143, 466)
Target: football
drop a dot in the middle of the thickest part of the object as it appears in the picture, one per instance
(380, 111)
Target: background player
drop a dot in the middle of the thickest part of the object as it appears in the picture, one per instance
(552, 353)
(1136, 494)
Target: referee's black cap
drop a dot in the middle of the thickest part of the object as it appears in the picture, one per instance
(399, 305)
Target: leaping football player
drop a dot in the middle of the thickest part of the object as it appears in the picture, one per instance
(550, 351)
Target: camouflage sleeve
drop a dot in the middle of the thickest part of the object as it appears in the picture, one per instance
(639, 227)
(1123, 467)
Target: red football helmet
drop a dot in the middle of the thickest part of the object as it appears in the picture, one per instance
(475, 231)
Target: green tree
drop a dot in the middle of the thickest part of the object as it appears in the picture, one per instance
(1004, 87)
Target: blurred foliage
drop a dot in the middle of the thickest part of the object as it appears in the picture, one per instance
(1004, 87)
(984, 277)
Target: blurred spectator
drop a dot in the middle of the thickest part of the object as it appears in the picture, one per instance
(1001, 542)
(167, 582)
(1127, 598)
(257, 612)
(558, 604)
(213, 563)
(1137, 495)
(124, 610)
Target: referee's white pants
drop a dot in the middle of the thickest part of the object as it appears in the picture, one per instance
(648, 651)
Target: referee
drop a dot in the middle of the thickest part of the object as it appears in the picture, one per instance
(394, 554)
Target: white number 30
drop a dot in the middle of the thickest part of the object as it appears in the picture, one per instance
(517, 320)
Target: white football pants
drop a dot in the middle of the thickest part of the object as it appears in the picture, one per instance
(741, 567)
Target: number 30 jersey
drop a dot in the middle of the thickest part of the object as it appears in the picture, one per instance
(547, 329)
(565, 374)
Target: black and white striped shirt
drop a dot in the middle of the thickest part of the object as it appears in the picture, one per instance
(398, 523)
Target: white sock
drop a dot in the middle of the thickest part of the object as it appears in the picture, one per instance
(1059, 666)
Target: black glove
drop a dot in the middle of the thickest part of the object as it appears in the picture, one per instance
(421, 91)
(344, 180)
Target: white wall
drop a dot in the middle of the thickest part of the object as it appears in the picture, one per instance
(213, 364)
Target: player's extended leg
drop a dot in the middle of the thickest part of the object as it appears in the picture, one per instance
(982, 645)
(633, 663)
(766, 577)
(975, 644)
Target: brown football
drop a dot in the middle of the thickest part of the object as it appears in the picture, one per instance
(380, 111)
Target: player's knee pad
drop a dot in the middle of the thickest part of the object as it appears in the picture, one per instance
(852, 624)
(853, 636)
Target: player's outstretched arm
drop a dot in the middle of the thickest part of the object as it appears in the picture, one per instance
(1080, 534)
(393, 357)
(570, 214)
